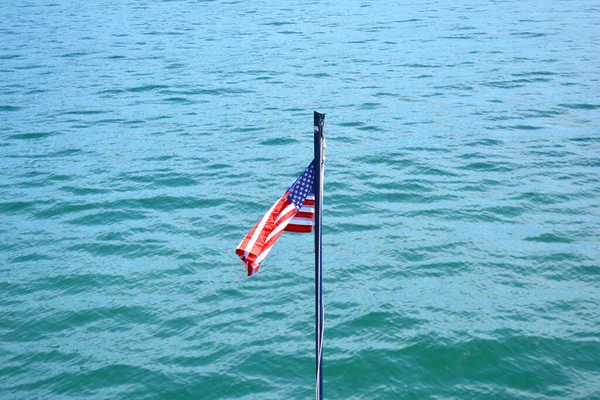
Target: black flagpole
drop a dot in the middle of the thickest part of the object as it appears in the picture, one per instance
(319, 122)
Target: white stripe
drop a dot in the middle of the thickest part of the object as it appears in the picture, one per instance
(262, 255)
(258, 230)
(307, 209)
(289, 208)
(279, 228)
(302, 221)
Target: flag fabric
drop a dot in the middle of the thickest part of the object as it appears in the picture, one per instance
(304, 220)
(258, 242)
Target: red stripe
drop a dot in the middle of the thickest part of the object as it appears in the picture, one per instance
(298, 228)
(303, 214)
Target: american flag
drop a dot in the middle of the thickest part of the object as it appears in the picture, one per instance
(304, 219)
(294, 211)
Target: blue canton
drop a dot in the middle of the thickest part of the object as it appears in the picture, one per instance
(303, 186)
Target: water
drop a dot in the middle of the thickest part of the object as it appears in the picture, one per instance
(140, 141)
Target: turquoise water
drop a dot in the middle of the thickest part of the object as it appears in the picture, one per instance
(141, 140)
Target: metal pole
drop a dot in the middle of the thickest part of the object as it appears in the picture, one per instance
(318, 143)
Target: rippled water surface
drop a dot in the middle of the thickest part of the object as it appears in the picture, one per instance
(141, 140)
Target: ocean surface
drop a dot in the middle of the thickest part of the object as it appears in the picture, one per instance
(141, 140)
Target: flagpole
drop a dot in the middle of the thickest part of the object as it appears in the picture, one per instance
(319, 120)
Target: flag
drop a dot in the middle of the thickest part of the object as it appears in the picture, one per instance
(258, 242)
(304, 220)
